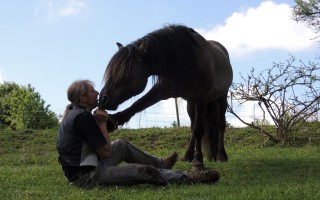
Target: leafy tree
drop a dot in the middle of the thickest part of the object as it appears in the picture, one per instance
(22, 108)
(290, 94)
(5, 89)
(308, 11)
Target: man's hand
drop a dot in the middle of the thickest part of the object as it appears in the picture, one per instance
(103, 117)
(100, 115)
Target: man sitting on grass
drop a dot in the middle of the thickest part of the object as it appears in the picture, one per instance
(88, 157)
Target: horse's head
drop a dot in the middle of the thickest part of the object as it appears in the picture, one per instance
(125, 76)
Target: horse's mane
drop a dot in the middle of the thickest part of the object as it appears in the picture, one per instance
(170, 55)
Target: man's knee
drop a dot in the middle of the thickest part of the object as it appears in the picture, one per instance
(119, 144)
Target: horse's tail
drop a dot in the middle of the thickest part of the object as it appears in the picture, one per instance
(213, 140)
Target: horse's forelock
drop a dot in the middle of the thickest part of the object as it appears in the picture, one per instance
(121, 64)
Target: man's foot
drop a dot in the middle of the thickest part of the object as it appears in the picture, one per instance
(208, 176)
(170, 161)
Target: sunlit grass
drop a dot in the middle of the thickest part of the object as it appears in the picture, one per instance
(29, 168)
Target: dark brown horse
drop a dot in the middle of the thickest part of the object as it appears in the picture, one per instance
(183, 64)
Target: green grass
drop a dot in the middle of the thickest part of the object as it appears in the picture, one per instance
(256, 170)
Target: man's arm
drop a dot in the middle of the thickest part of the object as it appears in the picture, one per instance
(105, 150)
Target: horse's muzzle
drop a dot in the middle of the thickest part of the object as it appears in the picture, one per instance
(103, 101)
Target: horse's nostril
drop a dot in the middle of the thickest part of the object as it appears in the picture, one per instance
(105, 99)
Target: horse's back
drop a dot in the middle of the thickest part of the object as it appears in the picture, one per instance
(218, 46)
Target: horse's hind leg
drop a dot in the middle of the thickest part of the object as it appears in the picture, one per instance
(221, 125)
(189, 155)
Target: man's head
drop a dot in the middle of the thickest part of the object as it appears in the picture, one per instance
(82, 93)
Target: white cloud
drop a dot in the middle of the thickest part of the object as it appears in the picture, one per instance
(58, 9)
(73, 7)
(268, 26)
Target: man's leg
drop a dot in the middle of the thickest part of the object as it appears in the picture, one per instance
(132, 174)
(136, 174)
(124, 151)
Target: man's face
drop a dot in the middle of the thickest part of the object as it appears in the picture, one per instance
(91, 98)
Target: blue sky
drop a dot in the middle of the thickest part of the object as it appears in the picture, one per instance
(50, 43)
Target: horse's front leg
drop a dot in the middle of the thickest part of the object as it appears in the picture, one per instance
(121, 117)
(154, 95)
(189, 155)
(198, 132)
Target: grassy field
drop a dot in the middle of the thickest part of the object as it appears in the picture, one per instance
(29, 168)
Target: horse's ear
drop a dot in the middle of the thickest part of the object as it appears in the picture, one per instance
(143, 47)
(119, 45)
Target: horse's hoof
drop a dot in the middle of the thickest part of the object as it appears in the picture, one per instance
(184, 159)
(197, 166)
